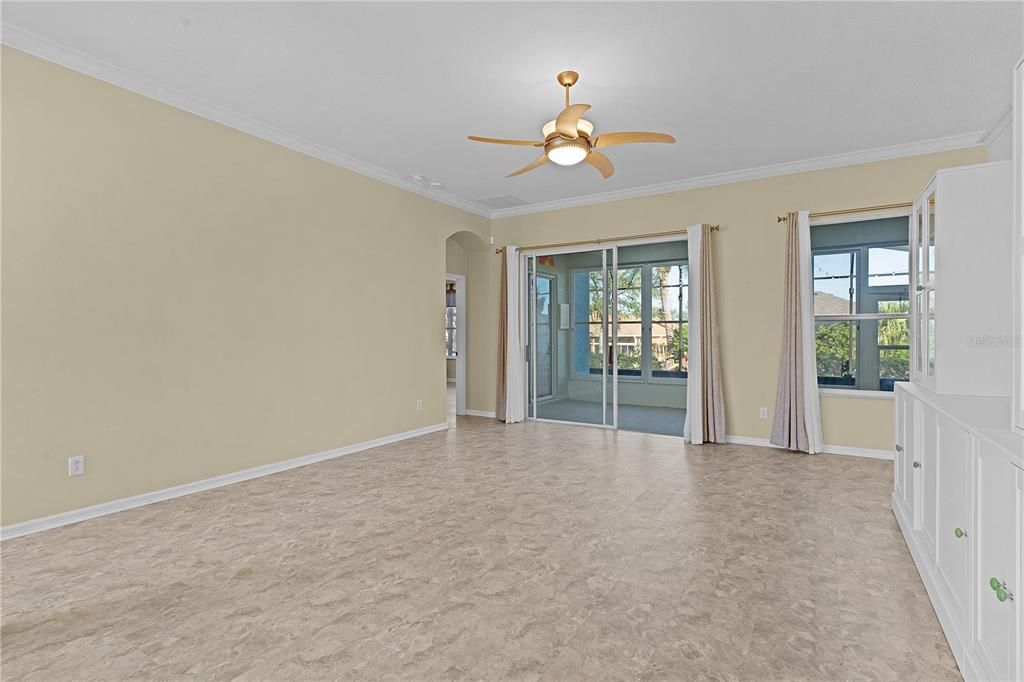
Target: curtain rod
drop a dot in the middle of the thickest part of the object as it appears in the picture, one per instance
(862, 209)
(714, 228)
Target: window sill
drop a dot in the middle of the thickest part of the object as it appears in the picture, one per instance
(855, 394)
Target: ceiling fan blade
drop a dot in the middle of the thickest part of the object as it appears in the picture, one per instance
(609, 139)
(566, 122)
(537, 163)
(494, 140)
(601, 163)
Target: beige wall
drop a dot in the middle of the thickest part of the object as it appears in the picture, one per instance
(482, 334)
(749, 257)
(454, 257)
(182, 300)
(178, 297)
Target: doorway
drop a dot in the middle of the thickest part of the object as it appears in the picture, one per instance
(455, 346)
(606, 337)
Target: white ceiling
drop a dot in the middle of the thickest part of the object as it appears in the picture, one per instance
(394, 88)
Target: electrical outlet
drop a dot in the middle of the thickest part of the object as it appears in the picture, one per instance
(419, 404)
(76, 465)
(764, 413)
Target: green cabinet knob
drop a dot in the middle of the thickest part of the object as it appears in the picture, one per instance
(1001, 594)
(917, 465)
(959, 533)
(920, 287)
(899, 448)
(995, 583)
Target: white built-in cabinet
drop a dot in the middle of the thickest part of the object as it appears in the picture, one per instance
(958, 496)
(958, 475)
(1017, 249)
(961, 281)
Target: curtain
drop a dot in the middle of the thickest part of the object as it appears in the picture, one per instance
(797, 423)
(510, 403)
(705, 403)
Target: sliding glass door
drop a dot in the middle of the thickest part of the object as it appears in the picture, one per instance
(607, 336)
(542, 314)
(571, 358)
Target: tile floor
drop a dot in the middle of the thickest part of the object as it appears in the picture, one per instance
(533, 551)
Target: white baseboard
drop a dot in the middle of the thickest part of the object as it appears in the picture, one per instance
(858, 452)
(480, 413)
(749, 440)
(15, 530)
(827, 449)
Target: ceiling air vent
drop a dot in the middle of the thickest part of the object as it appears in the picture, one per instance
(506, 201)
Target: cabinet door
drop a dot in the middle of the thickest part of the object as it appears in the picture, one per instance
(998, 526)
(926, 483)
(1018, 246)
(899, 405)
(932, 223)
(953, 534)
(920, 240)
(903, 470)
(931, 337)
(917, 252)
(912, 463)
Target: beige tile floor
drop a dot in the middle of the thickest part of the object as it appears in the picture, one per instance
(534, 551)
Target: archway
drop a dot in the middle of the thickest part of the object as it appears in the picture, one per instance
(460, 247)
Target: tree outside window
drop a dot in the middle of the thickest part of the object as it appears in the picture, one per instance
(861, 308)
(651, 342)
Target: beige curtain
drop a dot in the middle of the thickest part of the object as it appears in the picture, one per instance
(797, 423)
(510, 403)
(499, 410)
(705, 401)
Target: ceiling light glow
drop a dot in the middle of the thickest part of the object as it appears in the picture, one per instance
(568, 153)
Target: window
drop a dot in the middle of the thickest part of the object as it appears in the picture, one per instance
(669, 329)
(587, 317)
(861, 277)
(450, 342)
(652, 321)
(629, 344)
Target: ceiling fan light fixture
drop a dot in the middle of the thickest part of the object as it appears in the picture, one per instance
(585, 128)
(569, 138)
(567, 152)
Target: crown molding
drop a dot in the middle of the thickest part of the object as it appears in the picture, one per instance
(1000, 124)
(57, 53)
(834, 161)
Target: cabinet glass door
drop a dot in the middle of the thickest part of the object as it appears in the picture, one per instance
(930, 332)
(931, 238)
(919, 242)
(917, 251)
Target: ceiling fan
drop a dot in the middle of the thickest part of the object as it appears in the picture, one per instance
(570, 139)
